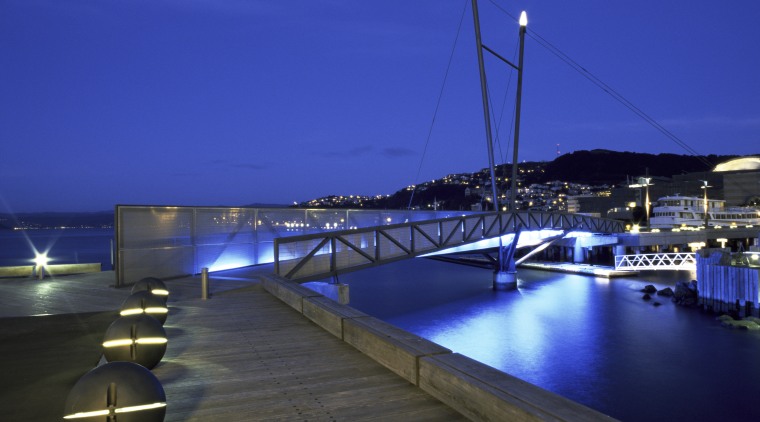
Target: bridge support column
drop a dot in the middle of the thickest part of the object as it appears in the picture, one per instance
(505, 280)
(619, 250)
(578, 253)
(505, 273)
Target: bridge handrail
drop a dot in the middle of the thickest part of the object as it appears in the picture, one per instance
(322, 255)
(655, 261)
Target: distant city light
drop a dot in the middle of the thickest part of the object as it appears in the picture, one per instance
(696, 245)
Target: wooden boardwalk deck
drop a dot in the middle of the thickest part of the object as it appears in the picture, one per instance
(243, 355)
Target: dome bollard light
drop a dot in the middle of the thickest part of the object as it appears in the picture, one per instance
(147, 303)
(153, 285)
(117, 391)
(138, 338)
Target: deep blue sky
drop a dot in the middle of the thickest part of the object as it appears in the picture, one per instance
(217, 102)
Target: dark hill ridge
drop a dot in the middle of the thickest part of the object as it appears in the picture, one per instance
(601, 166)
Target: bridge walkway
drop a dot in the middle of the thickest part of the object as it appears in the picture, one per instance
(323, 255)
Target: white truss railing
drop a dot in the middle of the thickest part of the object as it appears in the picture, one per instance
(656, 261)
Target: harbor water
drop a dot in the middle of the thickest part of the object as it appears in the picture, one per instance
(593, 340)
(63, 246)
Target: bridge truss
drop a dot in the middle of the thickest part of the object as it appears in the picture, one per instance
(324, 255)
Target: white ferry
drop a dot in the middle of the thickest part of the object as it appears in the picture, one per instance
(678, 211)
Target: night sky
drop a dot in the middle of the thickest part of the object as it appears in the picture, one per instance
(220, 102)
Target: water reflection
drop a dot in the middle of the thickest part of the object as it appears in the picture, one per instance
(592, 340)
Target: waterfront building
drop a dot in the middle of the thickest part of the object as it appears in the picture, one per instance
(736, 182)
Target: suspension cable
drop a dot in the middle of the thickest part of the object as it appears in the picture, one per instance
(503, 155)
(437, 105)
(607, 89)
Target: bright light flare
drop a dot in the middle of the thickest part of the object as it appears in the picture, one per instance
(151, 340)
(41, 259)
(148, 310)
(574, 234)
(140, 407)
(92, 414)
(129, 341)
(156, 310)
(106, 412)
(523, 19)
(118, 343)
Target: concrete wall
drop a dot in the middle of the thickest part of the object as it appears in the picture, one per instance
(723, 287)
(17, 271)
(738, 188)
(476, 390)
(52, 270)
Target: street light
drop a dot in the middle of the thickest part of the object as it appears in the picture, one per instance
(518, 103)
(644, 182)
(41, 261)
(705, 186)
(646, 204)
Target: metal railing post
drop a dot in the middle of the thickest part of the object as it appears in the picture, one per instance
(277, 255)
(204, 283)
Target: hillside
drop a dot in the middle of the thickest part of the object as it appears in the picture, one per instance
(589, 171)
(611, 167)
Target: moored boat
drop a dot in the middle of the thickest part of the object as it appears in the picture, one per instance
(689, 211)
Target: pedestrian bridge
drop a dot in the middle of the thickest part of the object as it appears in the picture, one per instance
(324, 255)
(306, 244)
(657, 261)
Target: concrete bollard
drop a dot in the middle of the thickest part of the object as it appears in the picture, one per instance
(204, 283)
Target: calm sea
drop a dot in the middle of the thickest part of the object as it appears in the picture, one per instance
(590, 339)
(63, 246)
